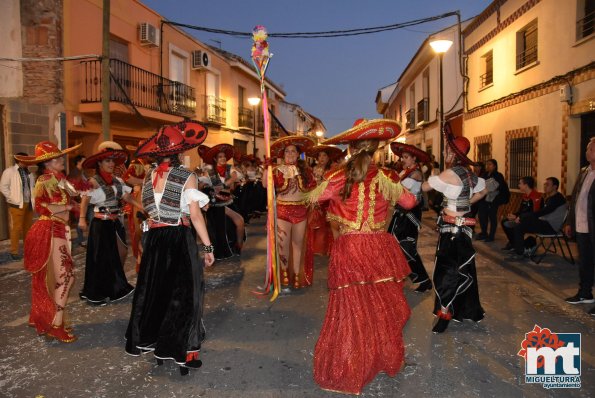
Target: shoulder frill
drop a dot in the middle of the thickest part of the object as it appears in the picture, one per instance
(46, 183)
(390, 173)
(389, 184)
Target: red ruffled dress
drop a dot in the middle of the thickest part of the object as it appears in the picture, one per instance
(39, 244)
(320, 235)
(367, 310)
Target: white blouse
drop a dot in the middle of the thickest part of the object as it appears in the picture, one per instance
(98, 196)
(451, 191)
(188, 196)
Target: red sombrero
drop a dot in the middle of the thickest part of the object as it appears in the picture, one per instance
(399, 148)
(209, 155)
(333, 152)
(376, 129)
(250, 158)
(173, 139)
(106, 150)
(459, 145)
(44, 151)
(302, 144)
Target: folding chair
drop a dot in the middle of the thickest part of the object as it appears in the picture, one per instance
(551, 244)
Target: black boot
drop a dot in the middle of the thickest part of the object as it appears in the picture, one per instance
(425, 285)
(440, 325)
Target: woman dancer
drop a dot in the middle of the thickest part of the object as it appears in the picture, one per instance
(106, 247)
(224, 179)
(362, 330)
(292, 180)
(455, 278)
(47, 248)
(320, 234)
(166, 315)
(405, 224)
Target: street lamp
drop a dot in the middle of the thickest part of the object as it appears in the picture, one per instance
(319, 135)
(440, 47)
(254, 101)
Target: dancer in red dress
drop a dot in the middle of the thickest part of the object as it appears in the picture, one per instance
(362, 330)
(319, 230)
(47, 248)
(292, 180)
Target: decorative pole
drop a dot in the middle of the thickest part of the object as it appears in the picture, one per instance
(260, 59)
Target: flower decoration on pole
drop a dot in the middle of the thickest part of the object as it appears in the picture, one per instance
(260, 58)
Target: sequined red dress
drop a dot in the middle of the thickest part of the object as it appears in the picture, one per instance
(320, 236)
(39, 243)
(295, 212)
(367, 310)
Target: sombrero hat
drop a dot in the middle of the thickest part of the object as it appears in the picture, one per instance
(209, 154)
(173, 139)
(333, 152)
(375, 129)
(106, 150)
(459, 145)
(44, 151)
(399, 148)
(302, 143)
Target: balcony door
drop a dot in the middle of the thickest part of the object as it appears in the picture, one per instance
(178, 73)
(215, 108)
(121, 81)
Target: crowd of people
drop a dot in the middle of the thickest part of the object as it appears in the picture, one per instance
(328, 202)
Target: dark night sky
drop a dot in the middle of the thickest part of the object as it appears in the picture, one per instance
(335, 79)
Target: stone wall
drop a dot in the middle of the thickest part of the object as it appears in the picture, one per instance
(41, 32)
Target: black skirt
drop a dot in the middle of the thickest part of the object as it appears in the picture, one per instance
(406, 231)
(455, 277)
(104, 271)
(167, 307)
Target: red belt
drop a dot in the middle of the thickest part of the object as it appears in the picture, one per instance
(184, 221)
(106, 216)
(459, 221)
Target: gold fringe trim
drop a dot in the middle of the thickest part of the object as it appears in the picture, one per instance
(388, 188)
(313, 196)
(45, 183)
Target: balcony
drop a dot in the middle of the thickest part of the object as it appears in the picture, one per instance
(423, 111)
(410, 119)
(245, 118)
(216, 110)
(585, 25)
(526, 57)
(143, 89)
(486, 79)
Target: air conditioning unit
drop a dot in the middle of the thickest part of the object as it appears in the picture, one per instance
(200, 60)
(148, 35)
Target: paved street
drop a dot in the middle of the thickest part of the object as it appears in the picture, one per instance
(255, 348)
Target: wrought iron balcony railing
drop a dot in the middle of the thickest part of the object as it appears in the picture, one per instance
(133, 85)
(526, 57)
(216, 109)
(246, 118)
(585, 25)
(486, 79)
(423, 110)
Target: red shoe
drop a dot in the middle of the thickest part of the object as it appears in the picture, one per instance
(58, 333)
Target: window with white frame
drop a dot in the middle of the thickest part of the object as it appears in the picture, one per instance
(526, 45)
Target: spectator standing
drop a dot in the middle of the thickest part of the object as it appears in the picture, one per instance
(581, 223)
(77, 178)
(17, 185)
(498, 194)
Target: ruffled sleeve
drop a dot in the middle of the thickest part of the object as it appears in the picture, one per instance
(194, 195)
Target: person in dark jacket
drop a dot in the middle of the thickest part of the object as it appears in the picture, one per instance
(534, 222)
(498, 194)
(530, 202)
(581, 223)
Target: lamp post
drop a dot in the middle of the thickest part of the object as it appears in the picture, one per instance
(440, 47)
(254, 101)
(319, 135)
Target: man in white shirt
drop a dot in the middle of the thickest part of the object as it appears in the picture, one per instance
(17, 185)
(581, 223)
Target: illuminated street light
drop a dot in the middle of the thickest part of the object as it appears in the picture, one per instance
(440, 47)
(254, 101)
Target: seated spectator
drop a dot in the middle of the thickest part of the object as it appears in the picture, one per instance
(530, 202)
(547, 220)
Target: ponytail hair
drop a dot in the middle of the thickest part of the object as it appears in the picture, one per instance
(356, 167)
